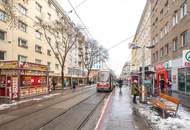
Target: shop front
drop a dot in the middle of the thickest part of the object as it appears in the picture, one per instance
(21, 80)
(162, 71)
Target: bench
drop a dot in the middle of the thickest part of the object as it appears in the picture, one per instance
(164, 106)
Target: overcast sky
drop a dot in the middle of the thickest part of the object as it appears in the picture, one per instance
(109, 22)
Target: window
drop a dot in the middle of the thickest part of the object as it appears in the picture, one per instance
(156, 55)
(175, 18)
(184, 39)
(22, 9)
(49, 52)
(175, 44)
(166, 28)
(38, 61)
(162, 52)
(183, 9)
(161, 13)
(38, 49)
(56, 55)
(167, 49)
(153, 57)
(49, 16)
(38, 34)
(22, 26)
(2, 55)
(2, 35)
(49, 65)
(22, 43)
(22, 58)
(161, 33)
(38, 7)
(38, 20)
(56, 66)
(2, 15)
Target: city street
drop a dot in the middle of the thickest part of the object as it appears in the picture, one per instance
(94, 65)
(80, 109)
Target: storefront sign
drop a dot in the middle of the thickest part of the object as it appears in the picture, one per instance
(186, 58)
(8, 64)
(32, 66)
(159, 67)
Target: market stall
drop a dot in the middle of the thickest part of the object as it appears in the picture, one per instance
(20, 80)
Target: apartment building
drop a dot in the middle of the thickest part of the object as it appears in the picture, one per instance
(142, 38)
(24, 42)
(171, 36)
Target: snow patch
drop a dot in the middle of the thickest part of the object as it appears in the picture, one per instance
(14, 103)
(180, 122)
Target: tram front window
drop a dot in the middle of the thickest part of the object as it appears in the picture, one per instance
(103, 76)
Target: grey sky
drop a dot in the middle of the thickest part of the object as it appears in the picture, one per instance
(109, 22)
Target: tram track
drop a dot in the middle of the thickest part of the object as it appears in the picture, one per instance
(90, 114)
(73, 111)
(42, 108)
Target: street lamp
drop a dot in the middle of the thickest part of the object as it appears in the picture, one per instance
(134, 46)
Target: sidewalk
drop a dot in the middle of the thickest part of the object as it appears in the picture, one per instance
(119, 113)
(35, 99)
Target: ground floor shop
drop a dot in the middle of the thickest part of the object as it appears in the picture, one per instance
(21, 80)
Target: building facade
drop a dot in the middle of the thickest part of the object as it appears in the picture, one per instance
(142, 38)
(171, 36)
(24, 42)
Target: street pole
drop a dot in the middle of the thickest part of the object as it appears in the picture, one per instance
(143, 76)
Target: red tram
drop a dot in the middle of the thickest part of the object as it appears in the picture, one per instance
(106, 80)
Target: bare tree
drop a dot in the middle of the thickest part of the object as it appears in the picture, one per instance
(93, 55)
(62, 36)
(10, 8)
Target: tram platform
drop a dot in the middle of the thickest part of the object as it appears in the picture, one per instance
(118, 114)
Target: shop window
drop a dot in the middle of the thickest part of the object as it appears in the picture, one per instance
(2, 55)
(188, 79)
(22, 26)
(181, 79)
(22, 58)
(22, 43)
(2, 15)
(2, 35)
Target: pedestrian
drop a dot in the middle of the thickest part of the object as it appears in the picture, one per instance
(74, 84)
(162, 83)
(169, 87)
(120, 82)
(135, 91)
(54, 84)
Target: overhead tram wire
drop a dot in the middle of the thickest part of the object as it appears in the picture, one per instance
(78, 5)
(87, 31)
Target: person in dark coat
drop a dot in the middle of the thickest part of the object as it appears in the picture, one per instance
(120, 82)
(162, 82)
(135, 91)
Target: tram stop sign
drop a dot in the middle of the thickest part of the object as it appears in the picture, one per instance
(186, 58)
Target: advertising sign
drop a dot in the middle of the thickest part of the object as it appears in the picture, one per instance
(186, 58)
(8, 64)
(32, 66)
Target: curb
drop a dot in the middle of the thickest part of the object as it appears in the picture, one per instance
(147, 122)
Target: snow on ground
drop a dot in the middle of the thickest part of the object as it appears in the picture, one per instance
(14, 103)
(180, 122)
